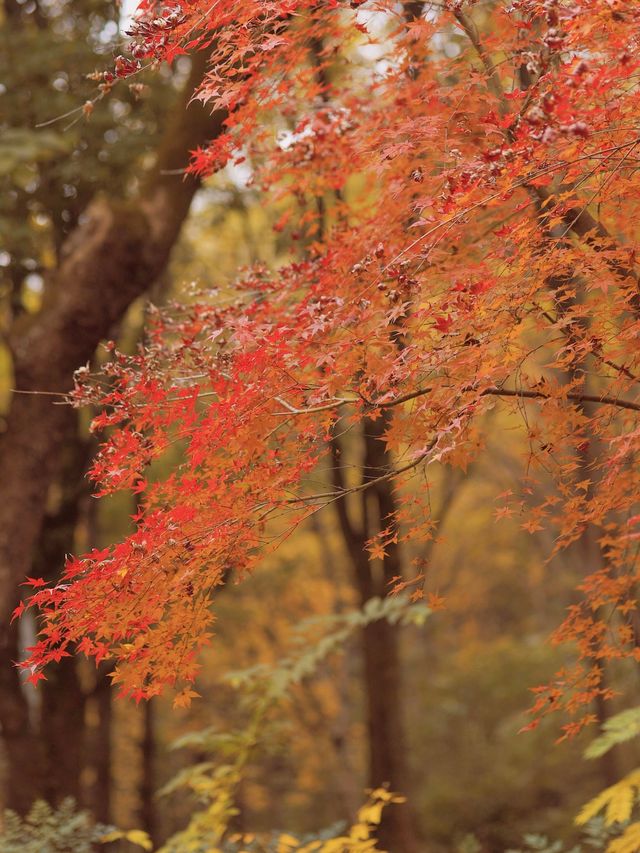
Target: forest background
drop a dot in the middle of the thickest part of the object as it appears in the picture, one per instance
(461, 669)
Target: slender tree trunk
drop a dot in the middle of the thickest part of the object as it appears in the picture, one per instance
(148, 785)
(23, 756)
(380, 640)
(382, 650)
(348, 788)
(62, 717)
(98, 750)
(62, 733)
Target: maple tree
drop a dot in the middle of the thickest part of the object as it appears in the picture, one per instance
(462, 181)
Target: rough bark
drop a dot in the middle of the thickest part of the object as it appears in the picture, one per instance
(115, 254)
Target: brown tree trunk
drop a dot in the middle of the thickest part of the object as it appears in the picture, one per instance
(97, 797)
(348, 788)
(148, 784)
(23, 755)
(114, 255)
(380, 640)
(62, 733)
(61, 719)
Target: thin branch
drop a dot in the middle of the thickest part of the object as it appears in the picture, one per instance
(367, 484)
(64, 394)
(471, 31)
(605, 399)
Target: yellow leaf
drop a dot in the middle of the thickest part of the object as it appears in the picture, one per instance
(618, 801)
(359, 831)
(629, 842)
(592, 808)
(620, 806)
(334, 845)
(111, 836)
(387, 796)
(371, 813)
(380, 794)
(137, 836)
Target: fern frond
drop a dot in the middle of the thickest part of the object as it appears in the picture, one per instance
(618, 801)
(618, 729)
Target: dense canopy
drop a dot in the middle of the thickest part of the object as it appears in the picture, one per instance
(466, 212)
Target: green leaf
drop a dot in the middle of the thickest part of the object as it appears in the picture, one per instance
(618, 729)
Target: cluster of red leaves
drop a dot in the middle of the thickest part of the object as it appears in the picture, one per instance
(464, 185)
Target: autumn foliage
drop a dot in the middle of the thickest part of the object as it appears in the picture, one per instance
(467, 233)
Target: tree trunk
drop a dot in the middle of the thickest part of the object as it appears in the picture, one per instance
(98, 750)
(62, 733)
(148, 784)
(380, 640)
(114, 255)
(23, 758)
(61, 723)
